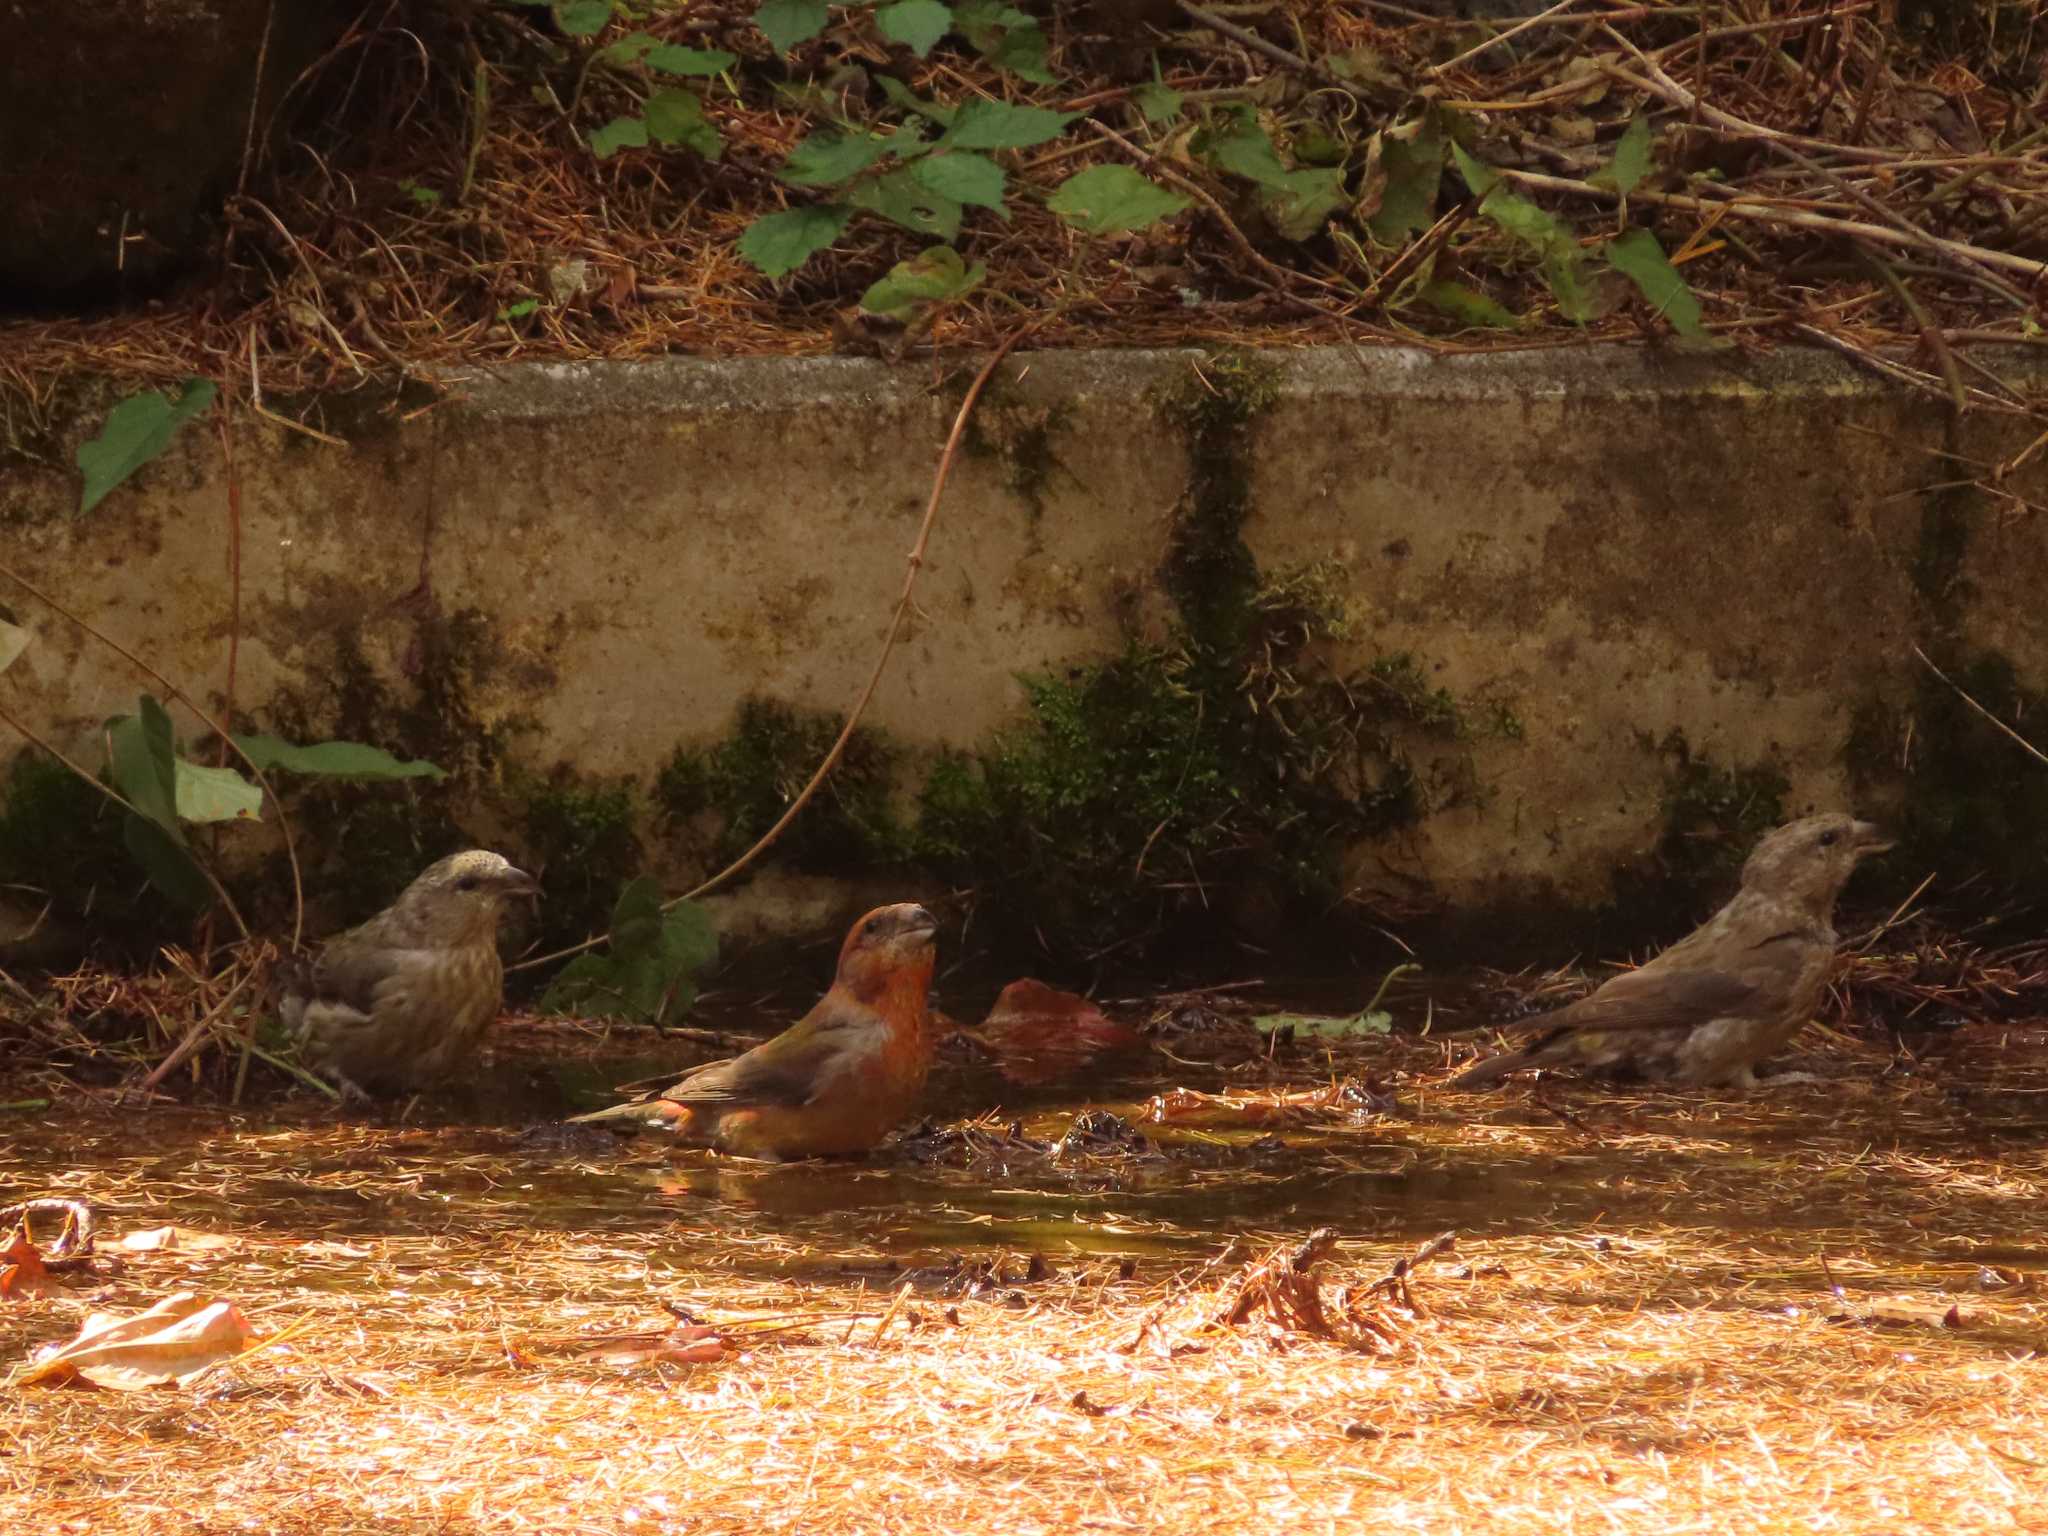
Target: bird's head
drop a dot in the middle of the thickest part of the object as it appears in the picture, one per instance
(888, 946)
(1807, 861)
(457, 900)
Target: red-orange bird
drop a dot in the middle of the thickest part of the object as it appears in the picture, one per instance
(836, 1081)
(1039, 1034)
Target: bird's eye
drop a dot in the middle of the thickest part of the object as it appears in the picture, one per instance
(466, 883)
(1827, 839)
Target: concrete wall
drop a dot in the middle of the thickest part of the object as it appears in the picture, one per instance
(1615, 543)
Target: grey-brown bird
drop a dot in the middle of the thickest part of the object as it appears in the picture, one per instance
(1729, 993)
(401, 1001)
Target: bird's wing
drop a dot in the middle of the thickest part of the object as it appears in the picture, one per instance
(1658, 997)
(787, 1070)
(348, 976)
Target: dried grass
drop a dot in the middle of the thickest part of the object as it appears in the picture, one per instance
(1817, 1309)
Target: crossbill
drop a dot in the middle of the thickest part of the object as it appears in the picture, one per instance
(833, 1083)
(401, 1001)
(1717, 1002)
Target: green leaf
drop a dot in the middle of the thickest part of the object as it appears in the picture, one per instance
(619, 133)
(1631, 161)
(333, 760)
(1374, 1021)
(166, 862)
(1108, 199)
(902, 199)
(136, 431)
(630, 49)
(1302, 202)
(979, 19)
(649, 960)
(1411, 159)
(1481, 178)
(1160, 103)
(903, 96)
(786, 23)
(828, 157)
(673, 59)
(781, 242)
(426, 197)
(583, 18)
(1237, 144)
(938, 274)
(1638, 257)
(13, 641)
(964, 177)
(145, 764)
(676, 116)
(1023, 52)
(917, 24)
(985, 124)
(1466, 304)
(216, 794)
(518, 310)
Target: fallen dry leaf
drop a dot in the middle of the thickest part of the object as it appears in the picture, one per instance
(686, 1344)
(173, 1341)
(21, 1269)
(1039, 1034)
(153, 1239)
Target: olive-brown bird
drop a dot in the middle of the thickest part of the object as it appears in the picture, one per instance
(836, 1081)
(401, 1001)
(1729, 993)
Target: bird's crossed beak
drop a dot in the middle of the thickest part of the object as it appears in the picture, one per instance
(920, 922)
(1872, 838)
(517, 882)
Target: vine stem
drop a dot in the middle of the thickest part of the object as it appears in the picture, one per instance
(914, 564)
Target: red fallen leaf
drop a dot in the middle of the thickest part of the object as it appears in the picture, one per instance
(1039, 1034)
(173, 1341)
(21, 1268)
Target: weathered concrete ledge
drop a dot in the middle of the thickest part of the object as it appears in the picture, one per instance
(1609, 544)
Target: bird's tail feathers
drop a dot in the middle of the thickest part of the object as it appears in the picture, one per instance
(1492, 1070)
(636, 1115)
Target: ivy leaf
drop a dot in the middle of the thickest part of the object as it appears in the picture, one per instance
(649, 961)
(903, 96)
(985, 124)
(145, 765)
(1636, 255)
(1301, 204)
(208, 795)
(673, 59)
(333, 760)
(785, 23)
(1631, 162)
(829, 157)
(620, 133)
(917, 24)
(136, 431)
(1480, 177)
(1467, 304)
(1108, 199)
(582, 18)
(964, 177)
(938, 274)
(1159, 103)
(781, 242)
(902, 199)
(1411, 163)
(1374, 1021)
(1023, 52)
(676, 116)
(1241, 147)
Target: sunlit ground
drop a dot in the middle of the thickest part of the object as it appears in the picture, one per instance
(1815, 1310)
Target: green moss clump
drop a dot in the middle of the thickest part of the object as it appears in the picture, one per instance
(748, 779)
(61, 839)
(1968, 799)
(1712, 816)
(582, 837)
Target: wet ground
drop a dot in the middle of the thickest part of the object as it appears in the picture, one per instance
(1832, 1286)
